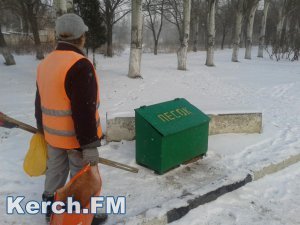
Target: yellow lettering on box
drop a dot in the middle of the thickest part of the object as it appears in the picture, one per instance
(174, 114)
(187, 111)
(162, 118)
(169, 116)
(180, 112)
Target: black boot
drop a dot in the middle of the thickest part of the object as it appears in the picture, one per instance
(99, 219)
(48, 198)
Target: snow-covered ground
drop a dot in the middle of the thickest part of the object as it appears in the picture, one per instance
(258, 85)
(272, 200)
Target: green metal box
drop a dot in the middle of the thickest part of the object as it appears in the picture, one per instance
(169, 134)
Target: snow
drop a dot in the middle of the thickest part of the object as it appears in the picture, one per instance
(272, 200)
(258, 85)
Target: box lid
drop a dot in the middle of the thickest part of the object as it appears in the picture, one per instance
(173, 116)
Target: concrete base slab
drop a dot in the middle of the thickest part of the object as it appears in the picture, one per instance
(120, 128)
(123, 127)
(235, 123)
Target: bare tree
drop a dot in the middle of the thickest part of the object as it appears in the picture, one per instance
(32, 11)
(203, 29)
(60, 7)
(287, 29)
(263, 29)
(283, 12)
(224, 22)
(251, 9)
(114, 11)
(174, 15)
(239, 7)
(179, 13)
(4, 50)
(182, 51)
(136, 39)
(211, 32)
(32, 8)
(63, 6)
(154, 22)
(293, 36)
(195, 23)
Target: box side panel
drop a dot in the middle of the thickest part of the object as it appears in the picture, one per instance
(148, 144)
(184, 146)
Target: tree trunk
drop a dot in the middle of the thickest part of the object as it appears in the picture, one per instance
(237, 31)
(4, 50)
(63, 6)
(70, 6)
(25, 22)
(182, 51)
(36, 37)
(211, 33)
(249, 34)
(223, 38)
(296, 50)
(204, 37)
(277, 47)
(109, 50)
(280, 24)
(263, 29)
(60, 7)
(196, 34)
(287, 34)
(37, 41)
(155, 47)
(279, 36)
(136, 39)
(94, 58)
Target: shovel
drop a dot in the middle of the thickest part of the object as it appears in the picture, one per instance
(8, 122)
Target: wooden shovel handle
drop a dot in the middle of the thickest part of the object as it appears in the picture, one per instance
(33, 130)
(19, 124)
(118, 165)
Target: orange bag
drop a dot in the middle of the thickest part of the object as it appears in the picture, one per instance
(81, 187)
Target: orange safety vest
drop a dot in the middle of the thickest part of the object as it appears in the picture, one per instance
(56, 106)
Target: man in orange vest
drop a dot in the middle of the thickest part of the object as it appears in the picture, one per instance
(66, 106)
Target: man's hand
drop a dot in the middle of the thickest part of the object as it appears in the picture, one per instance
(90, 155)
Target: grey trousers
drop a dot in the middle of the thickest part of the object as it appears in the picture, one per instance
(60, 163)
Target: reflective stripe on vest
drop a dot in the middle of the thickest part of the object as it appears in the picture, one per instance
(56, 107)
(52, 112)
(59, 132)
(64, 132)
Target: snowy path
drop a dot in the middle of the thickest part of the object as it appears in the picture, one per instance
(274, 200)
(260, 84)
